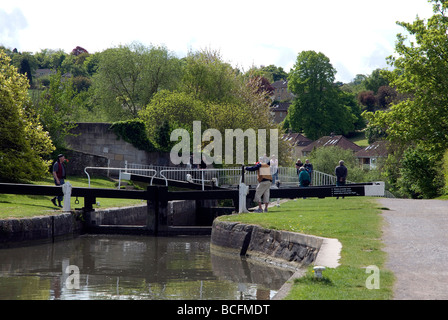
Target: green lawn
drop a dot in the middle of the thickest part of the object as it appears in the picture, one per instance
(356, 222)
(360, 139)
(22, 206)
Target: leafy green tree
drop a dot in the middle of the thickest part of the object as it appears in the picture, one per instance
(56, 107)
(270, 72)
(128, 76)
(23, 142)
(318, 108)
(375, 81)
(207, 77)
(420, 175)
(179, 109)
(421, 72)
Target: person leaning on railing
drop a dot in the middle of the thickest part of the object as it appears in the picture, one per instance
(264, 183)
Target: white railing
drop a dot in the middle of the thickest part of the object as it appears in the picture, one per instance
(219, 177)
(121, 172)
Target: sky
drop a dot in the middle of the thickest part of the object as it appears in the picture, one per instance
(356, 35)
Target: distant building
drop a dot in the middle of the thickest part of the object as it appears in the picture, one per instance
(298, 143)
(281, 98)
(279, 111)
(369, 156)
(281, 92)
(43, 72)
(332, 140)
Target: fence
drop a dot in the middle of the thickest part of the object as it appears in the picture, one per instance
(225, 177)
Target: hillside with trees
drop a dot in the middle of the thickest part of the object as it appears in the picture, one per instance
(149, 90)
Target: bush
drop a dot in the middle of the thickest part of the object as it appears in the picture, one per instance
(420, 174)
(326, 159)
(445, 171)
(134, 132)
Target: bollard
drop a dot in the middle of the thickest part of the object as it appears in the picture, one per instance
(67, 190)
(318, 271)
(243, 191)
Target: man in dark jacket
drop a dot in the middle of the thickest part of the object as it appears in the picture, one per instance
(59, 177)
(341, 175)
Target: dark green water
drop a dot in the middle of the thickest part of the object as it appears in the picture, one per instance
(130, 267)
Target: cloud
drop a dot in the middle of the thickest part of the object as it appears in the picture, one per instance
(10, 25)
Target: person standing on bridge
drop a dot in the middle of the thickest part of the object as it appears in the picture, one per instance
(309, 167)
(341, 175)
(264, 178)
(59, 177)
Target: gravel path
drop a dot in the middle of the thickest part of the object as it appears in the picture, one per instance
(416, 240)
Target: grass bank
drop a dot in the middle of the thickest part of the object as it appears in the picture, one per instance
(356, 222)
(25, 206)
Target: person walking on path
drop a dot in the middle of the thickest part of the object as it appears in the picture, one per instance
(59, 176)
(264, 178)
(341, 175)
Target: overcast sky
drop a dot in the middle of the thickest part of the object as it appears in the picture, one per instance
(356, 35)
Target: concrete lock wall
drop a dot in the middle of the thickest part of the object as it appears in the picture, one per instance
(282, 248)
(180, 213)
(44, 229)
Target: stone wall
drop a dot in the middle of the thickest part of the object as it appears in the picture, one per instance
(180, 213)
(43, 229)
(281, 248)
(79, 160)
(97, 139)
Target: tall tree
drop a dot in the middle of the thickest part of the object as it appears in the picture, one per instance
(317, 109)
(421, 72)
(128, 76)
(23, 142)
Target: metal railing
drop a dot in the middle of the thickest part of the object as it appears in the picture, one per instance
(226, 177)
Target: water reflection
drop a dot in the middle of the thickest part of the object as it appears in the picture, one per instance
(127, 267)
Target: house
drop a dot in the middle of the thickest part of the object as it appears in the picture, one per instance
(298, 142)
(332, 140)
(368, 157)
(281, 92)
(281, 98)
(279, 111)
(43, 72)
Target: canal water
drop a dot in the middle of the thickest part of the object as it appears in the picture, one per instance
(132, 267)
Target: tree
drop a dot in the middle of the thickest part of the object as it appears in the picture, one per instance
(375, 81)
(79, 50)
(23, 142)
(368, 100)
(208, 77)
(421, 72)
(128, 76)
(56, 107)
(421, 176)
(317, 109)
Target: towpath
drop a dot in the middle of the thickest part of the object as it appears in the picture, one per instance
(416, 240)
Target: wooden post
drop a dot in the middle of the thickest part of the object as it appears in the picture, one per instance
(157, 206)
(162, 209)
(152, 207)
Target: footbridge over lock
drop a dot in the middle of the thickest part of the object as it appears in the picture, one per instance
(198, 185)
